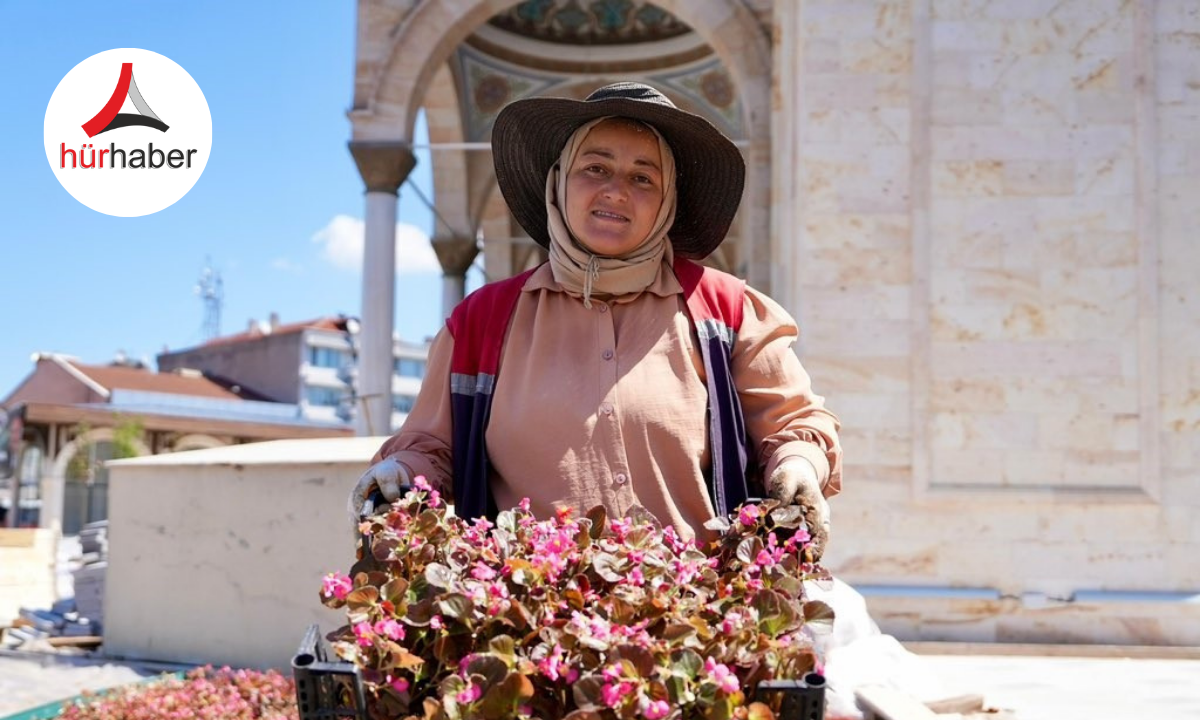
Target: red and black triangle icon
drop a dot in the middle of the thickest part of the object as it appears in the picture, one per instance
(110, 117)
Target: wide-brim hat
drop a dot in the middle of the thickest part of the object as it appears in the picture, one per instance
(528, 137)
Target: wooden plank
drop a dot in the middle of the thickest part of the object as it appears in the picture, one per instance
(959, 704)
(80, 641)
(882, 703)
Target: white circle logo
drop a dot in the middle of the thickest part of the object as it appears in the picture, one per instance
(128, 132)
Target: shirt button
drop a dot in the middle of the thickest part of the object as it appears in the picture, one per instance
(622, 478)
(606, 408)
(607, 354)
(603, 308)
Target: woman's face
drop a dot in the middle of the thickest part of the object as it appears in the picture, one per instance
(615, 188)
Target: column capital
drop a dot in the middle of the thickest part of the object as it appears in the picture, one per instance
(455, 253)
(383, 164)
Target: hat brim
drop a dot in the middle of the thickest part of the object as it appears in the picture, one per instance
(528, 137)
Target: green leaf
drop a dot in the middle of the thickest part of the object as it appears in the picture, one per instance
(587, 693)
(607, 566)
(687, 663)
(382, 548)
(503, 646)
(719, 524)
(394, 590)
(501, 700)
(506, 520)
(420, 613)
(489, 667)
(439, 576)
(788, 516)
(819, 616)
(748, 549)
(641, 659)
(362, 598)
(456, 605)
(583, 715)
(775, 613)
(674, 632)
(599, 518)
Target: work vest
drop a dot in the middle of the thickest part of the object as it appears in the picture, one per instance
(715, 302)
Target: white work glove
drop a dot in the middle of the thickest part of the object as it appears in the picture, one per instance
(795, 482)
(389, 475)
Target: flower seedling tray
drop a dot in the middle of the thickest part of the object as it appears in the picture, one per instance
(327, 690)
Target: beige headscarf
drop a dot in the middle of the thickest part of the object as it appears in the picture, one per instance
(583, 273)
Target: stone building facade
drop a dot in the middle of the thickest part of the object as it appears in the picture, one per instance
(981, 213)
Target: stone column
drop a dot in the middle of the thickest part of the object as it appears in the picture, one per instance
(383, 165)
(787, 113)
(455, 253)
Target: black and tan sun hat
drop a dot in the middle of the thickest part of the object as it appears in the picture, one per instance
(528, 137)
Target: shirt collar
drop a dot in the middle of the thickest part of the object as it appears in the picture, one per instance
(665, 284)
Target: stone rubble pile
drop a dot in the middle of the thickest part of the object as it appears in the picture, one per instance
(71, 617)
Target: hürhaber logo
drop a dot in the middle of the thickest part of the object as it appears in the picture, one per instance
(128, 132)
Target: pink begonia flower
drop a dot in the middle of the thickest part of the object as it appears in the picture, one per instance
(435, 622)
(390, 628)
(748, 515)
(336, 585)
(470, 695)
(400, 685)
(722, 676)
(655, 709)
(552, 666)
(611, 694)
(363, 632)
(636, 577)
(524, 504)
(482, 572)
(435, 498)
(420, 483)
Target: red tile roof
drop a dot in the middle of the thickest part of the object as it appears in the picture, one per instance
(116, 377)
(325, 323)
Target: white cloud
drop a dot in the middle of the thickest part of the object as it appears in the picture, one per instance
(342, 246)
(287, 265)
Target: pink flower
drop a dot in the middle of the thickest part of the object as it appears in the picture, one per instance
(482, 572)
(435, 622)
(420, 483)
(524, 504)
(748, 515)
(336, 585)
(612, 693)
(390, 628)
(400, 685)
(552, 665)
(365, 635)
(722, 676)
(655, 709)
(636, 577)
(469, 695)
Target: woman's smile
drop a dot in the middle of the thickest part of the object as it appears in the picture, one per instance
(615, 188)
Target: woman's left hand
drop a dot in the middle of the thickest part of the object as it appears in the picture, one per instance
(795, 482)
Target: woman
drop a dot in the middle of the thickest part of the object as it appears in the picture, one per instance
(619, 373)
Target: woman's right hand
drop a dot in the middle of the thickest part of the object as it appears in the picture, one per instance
(389, 475)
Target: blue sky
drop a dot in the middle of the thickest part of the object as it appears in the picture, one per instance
(274, 209)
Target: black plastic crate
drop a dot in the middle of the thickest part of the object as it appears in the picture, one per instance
(327, 690)
(324, 689)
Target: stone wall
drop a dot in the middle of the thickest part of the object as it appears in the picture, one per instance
(997, 295)
(216, 556)
(27, 577)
